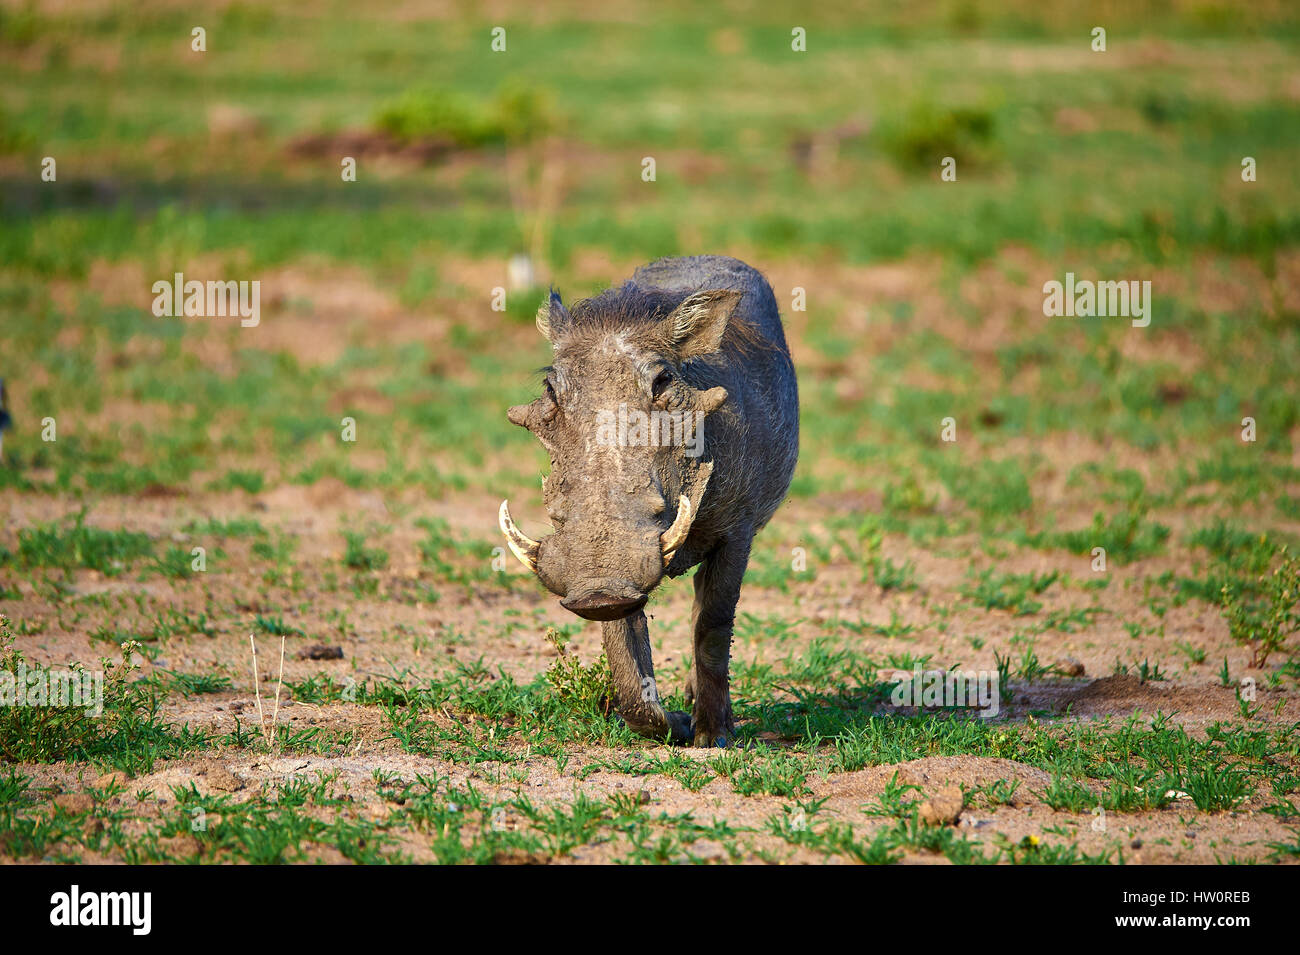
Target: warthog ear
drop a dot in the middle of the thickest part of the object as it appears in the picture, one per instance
(697, 325)
(552, 316)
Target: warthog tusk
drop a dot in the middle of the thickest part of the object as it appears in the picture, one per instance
(673, 538)
(523, 546)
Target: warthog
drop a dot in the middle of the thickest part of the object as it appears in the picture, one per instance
(637, 491)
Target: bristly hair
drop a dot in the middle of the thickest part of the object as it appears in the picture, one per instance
(631, 306)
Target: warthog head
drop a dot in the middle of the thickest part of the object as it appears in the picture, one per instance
(624, 430)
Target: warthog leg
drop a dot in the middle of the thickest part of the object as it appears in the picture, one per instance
(627, 648)
(708, 685)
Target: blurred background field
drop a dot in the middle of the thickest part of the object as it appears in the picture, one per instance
(821, 168)
(1116, 164)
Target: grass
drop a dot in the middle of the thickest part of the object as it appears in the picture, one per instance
(71, 545)
(1134, 767)
(128, 734)
(1012, 592)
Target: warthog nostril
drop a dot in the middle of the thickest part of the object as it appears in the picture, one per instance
(603, 604)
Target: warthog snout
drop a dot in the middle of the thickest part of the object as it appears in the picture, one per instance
(613, 591)
(604, 599)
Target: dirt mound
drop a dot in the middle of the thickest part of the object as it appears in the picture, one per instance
(1124, 694)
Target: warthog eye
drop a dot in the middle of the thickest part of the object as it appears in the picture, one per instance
(663, 381)
(552, 402)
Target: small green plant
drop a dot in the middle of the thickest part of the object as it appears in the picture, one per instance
(1263, 625)
(1003, 665)
(1009, 591)
(1032, 669)
(518, 114)
(360, 557)
(1127, 536)
(926, 134)
(1214, 788)
(1069, 795)
(250, 481)
(891, 576)
(189, 684)
(121, 727)
(581, 688)
(176, 562)
(1150, 671)
(893, 800)
(907, 497)
(454, 559)
(277, 627)
(1002, 792)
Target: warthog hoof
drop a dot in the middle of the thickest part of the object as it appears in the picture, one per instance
(676, 727)
(711, 739)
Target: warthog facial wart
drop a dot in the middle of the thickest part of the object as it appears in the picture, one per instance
(635, 494)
